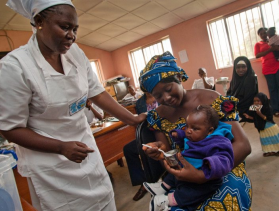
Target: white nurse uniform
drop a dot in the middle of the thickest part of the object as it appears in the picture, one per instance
(35, 96)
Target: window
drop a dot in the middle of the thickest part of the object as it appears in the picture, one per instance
(140, 56)
(96, 68)
(236, 34)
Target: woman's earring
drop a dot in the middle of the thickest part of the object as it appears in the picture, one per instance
(40, 27)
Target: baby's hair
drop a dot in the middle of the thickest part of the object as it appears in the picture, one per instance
(212, 116)
(271, 31)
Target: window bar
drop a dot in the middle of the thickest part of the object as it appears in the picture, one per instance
(272, 14)
(134, 65)
(161, 43)
(227, 31)
(243, 34)
(220, 47)
(143, 57)
(212, 44)
(236, 36)
(99, 71)
(215, 45)
(254, 24)
(249, 31)
(262, 16)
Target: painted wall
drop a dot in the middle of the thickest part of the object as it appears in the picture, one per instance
(191, 36)
(20, 38)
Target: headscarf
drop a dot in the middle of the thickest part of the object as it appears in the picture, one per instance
(159, 67)
(30, 8)
(266, 110)
(243, 87)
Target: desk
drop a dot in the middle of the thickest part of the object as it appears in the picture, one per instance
(23, 191)
(111, 140)
(131, 108)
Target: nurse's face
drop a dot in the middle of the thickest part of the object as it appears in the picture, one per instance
(59, 30)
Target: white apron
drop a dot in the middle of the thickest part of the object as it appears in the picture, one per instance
(60, 184)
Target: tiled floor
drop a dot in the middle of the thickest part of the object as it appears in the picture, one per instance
(263, 172)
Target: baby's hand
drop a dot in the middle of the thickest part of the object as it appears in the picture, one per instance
(208, 164)
(174, 134)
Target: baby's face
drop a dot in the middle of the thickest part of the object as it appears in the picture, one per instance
(270, 33)
(197, 127)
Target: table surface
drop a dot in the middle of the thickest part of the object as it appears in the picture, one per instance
(107, 127)
(111, 140)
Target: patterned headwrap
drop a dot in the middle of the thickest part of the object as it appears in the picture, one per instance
(159, 67)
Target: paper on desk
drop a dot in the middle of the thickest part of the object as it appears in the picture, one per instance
(96, 129)
(113, 119)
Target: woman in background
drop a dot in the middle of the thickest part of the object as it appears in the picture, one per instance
(146, 103)
(243, 86)
(204, 82)
(270, 67)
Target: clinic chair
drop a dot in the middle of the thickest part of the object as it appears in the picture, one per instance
(153, 169)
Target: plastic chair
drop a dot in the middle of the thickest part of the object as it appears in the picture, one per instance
(153, 169)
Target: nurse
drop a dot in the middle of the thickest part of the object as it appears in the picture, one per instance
(45, 85)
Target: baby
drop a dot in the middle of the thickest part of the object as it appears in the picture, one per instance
(207, 146)
(273, 40)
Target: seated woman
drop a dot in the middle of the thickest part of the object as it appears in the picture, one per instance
(243, 86)
(162, 78)
(146, 103)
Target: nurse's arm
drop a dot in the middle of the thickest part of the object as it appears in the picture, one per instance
(73, 150)
(108, 104)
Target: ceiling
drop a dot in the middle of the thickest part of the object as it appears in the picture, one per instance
(111, 24)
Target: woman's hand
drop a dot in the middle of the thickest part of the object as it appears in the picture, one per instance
(153, 152)
(258, 110)
(75, 151)
(247, 116)
(187, 173)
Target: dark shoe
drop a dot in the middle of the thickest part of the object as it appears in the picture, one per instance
(141, 192)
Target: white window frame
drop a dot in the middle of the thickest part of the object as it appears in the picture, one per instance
(227, 43)
(96, 67)
(140, 56)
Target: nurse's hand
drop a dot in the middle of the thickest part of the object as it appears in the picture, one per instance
(75, 151)
(153, 152)
(187, 173)
(139, 118)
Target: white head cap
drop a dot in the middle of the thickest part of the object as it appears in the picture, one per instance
(241, 62)
(30, 8)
